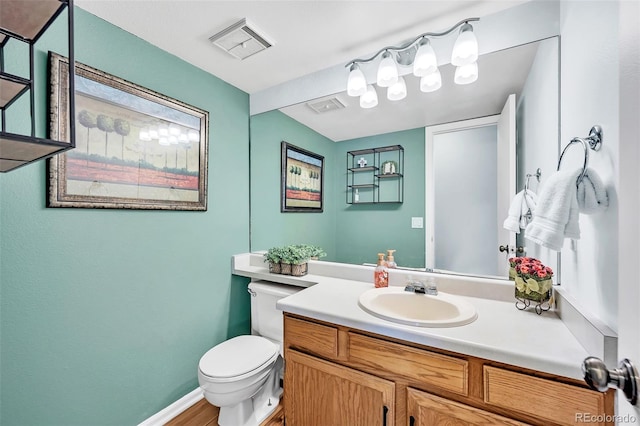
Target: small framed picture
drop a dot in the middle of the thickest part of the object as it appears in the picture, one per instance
(302, 178)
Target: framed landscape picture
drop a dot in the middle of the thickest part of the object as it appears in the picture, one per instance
(135, 148)
(302, 177)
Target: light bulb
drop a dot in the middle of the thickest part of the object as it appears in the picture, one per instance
(425, 61)
(183, 138)
(144, 134)
(370, 98)
(174, 129)
(431, 82)
(173, 140)
(356, 83)
(164, 141)
(194, 136)
(465, 50)
(387, 71)
(163, 131)
(398, 91)
(466, 74)
(153, 132)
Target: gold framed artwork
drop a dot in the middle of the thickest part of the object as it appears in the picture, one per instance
(135, 148)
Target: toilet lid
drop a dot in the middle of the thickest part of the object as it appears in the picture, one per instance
(237, 356)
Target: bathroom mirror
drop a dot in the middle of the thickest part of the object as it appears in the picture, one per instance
(333, 125)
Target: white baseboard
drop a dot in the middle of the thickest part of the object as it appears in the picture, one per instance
(166, 414)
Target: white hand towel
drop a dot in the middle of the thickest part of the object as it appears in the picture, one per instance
(520, 205)
(592, 194)
(556, 216)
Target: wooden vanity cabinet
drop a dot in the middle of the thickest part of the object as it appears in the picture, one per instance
(335, 375)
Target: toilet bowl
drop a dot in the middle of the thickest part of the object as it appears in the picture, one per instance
(242, 375)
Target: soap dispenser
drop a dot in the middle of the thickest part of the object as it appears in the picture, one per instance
(391, 263)
(381, 273)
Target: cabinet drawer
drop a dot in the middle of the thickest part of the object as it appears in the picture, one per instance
(556, 402)
(415, 365)
(311, 337)
(431, 410)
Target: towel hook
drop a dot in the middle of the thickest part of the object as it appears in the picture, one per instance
(528, 176)
(593, 141)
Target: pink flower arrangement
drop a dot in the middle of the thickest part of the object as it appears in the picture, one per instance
(530, 267)
(532, 278)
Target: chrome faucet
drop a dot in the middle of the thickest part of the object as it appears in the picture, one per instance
(422, 288)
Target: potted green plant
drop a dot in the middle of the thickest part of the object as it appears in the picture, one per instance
(274, 257)
(294, 260)
(315, 252)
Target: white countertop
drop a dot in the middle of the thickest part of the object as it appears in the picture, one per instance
(501, 332)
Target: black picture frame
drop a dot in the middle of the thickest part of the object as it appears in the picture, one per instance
(301, 180)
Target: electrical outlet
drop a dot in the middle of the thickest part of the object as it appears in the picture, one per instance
(417, 222)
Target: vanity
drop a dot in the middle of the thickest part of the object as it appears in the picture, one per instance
(345, 366)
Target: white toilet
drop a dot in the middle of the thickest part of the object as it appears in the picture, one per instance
(242, 375)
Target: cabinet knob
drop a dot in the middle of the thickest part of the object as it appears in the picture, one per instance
(599, 378)
(503, 248)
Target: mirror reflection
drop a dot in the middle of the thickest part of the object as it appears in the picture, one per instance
(458, 180)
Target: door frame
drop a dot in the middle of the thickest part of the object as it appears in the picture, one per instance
(430, 133)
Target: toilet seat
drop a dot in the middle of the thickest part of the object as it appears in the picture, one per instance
(237, 358)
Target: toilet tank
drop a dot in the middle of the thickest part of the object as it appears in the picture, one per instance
(266, 319)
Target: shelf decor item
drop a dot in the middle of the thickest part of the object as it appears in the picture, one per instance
(135, 148)
(301, 180)
(533, 282)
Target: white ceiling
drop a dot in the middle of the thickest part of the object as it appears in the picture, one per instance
(307, 36)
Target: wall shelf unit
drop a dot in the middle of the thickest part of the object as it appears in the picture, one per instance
(22, 23)
(375, 175)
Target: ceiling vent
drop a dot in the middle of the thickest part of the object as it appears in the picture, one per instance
(326, 105)
(240, 40)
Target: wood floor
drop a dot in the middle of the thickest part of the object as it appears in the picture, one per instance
(204, 414)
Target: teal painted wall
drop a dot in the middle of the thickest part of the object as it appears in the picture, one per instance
(270, 227)
(104, 314)
(363, 230)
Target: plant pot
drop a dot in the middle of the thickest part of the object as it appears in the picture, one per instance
(299, 269)
(275, 268)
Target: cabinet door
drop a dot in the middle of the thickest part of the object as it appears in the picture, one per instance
(424, 409)
(320, 393)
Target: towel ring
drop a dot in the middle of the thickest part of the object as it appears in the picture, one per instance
(593, 141)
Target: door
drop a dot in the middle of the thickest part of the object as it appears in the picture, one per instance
(424, 409)
(469, 185)
(319, 393)
(628, 201)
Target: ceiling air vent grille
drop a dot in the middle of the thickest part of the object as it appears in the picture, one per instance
(326, 105)
(240, 40)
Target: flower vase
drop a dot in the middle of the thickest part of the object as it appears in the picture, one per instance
(531, 290)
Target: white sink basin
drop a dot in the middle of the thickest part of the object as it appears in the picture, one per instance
(422, 310)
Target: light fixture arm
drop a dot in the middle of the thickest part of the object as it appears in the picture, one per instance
(408, 45)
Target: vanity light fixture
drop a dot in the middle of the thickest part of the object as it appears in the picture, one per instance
(419, 54)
